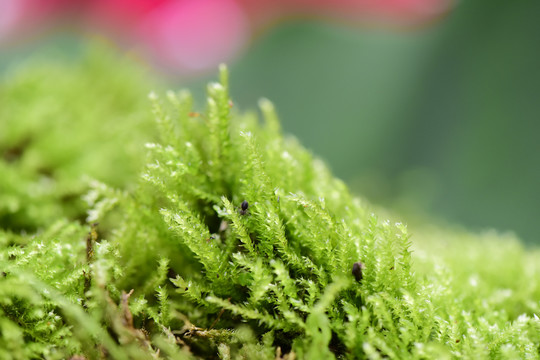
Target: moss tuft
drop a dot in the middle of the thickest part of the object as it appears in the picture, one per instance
(234, 242)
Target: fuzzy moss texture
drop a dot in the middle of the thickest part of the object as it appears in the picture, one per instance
(104, 257)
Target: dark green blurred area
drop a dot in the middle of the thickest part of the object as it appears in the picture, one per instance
(440, 121)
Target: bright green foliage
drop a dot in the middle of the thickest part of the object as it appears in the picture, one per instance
(60, 122)
(177, 268)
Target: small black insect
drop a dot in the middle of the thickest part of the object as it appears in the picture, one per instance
(244, 207)
(357, 270)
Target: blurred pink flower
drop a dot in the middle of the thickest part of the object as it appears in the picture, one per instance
(188, 36)
(21, 18)
(195, 34)
(120, 15)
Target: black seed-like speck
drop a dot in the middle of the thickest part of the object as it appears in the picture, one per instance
(357, 270)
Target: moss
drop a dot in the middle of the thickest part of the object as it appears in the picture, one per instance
(234, 242)
(61, 121)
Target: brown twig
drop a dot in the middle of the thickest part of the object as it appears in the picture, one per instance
(218, 317)
(128, 317)
(91, 238)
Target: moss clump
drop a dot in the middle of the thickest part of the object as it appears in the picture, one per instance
(60, 122)
(235, 243)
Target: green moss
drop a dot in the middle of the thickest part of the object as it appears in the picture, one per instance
(178, 268)
(61, 121)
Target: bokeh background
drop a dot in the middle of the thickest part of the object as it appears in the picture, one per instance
(428, 107)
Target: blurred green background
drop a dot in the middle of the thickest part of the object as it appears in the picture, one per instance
(438, 122)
